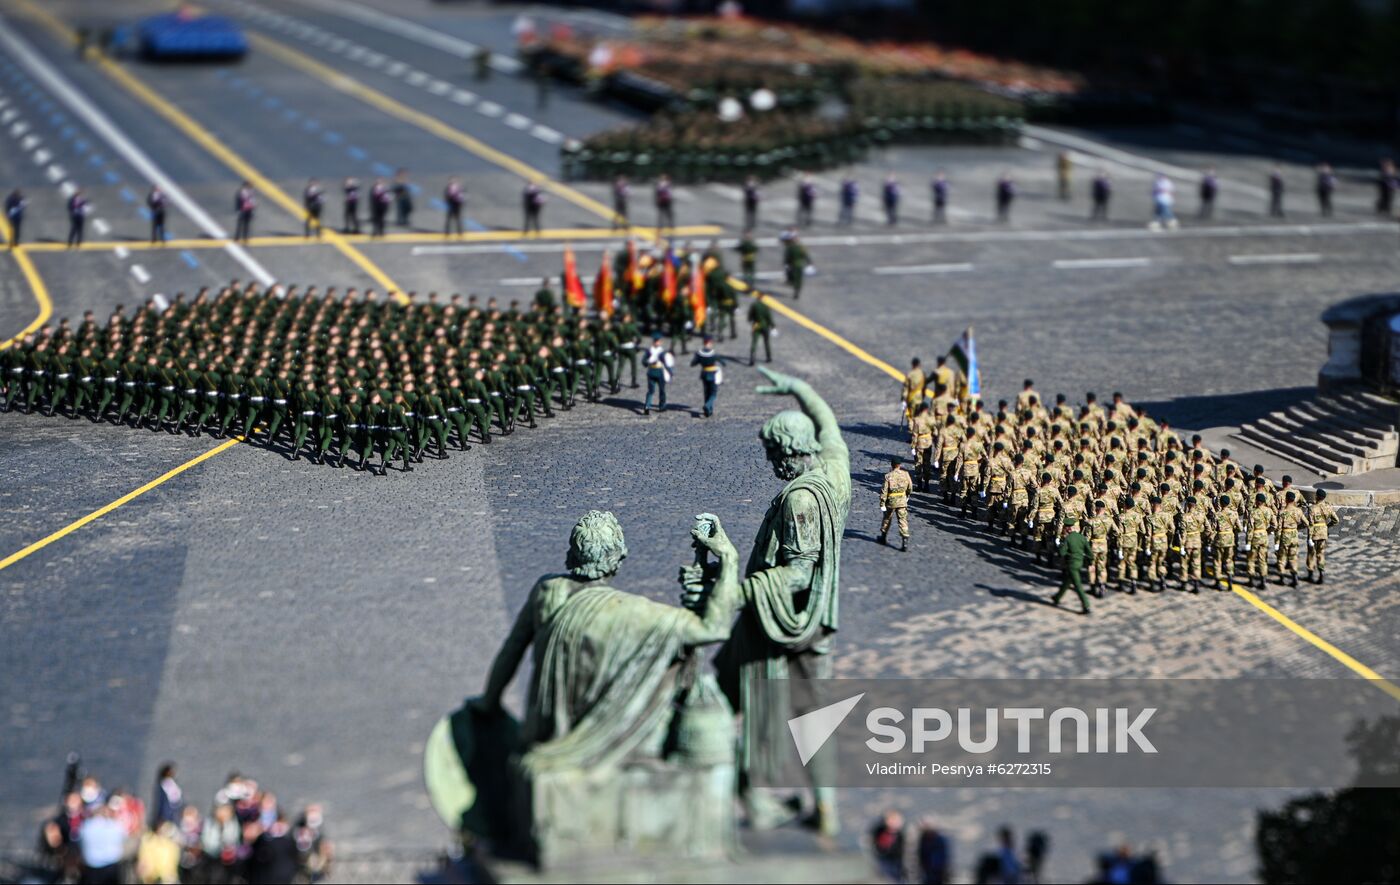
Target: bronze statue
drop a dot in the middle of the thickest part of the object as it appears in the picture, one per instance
(791, 594)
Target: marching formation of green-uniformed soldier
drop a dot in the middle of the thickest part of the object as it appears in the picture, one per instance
(322, 373)
(1145, 501)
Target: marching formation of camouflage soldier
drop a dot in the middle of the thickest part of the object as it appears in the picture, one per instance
(894, 503)
(321, 373)
(1144, 500)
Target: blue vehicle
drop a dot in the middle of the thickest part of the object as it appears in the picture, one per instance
(183, 35)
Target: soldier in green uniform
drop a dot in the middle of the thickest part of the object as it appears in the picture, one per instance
(748, 256)
(760, 328)
(796, 261)
(629, 342)
(1074, 548)
(1321, 515)
(396, 429)
(329, 426)
(894, 502)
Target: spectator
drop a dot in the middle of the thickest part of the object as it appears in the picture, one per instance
(935, 854)
(53, 850)
(190, 837)
(221, 840)
(169, 800)
(102, 839)
(274, 857)
(158, 858)
(92, 794)
(312, 845)
(1037, 847)
(887, 842)
(1008, 864)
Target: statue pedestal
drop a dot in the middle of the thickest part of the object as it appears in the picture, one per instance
(642, 811)
(787, 855)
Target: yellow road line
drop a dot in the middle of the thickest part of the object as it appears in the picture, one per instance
(124, 499)
(354, 88)
(205, 139)
(36, 287)
(491, 236)
(813, 326)
(1345, 659)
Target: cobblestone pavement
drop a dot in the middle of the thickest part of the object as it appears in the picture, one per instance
(308, 625)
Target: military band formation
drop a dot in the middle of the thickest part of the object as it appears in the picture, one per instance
(343, 376)
(1103, 488)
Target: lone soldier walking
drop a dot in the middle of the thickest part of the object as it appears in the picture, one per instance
(1074, 548)
(890, 196)
(760, 327)
(795, 263)
(1102, 191)
(1320, 516)
(748, 256)
(940, 197)
(894, 502)
(806, 200)
(1064, 166)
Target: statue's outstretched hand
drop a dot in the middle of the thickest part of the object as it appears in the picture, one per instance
(780, 384)
(714, 540)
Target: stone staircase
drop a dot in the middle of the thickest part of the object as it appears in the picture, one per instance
(1342, 432)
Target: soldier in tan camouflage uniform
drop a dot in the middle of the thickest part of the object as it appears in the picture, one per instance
(1225, 527)
(1098, 528)
(1289, 522)
(894, 501)
(1261, 522)
(1320, 516)
(1159, 531)
(921, 428)
(1130, 526)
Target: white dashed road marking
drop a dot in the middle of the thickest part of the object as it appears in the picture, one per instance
(1096, 263)
(896, 270)
(1282, 258)
(140, 273)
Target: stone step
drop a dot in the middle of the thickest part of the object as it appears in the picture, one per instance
(1365, 406)
(1328, 444)
(1270, 442)
(1326, 414)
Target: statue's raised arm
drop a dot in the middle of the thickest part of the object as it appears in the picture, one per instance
(833, 448)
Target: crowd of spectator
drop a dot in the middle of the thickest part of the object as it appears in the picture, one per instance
(102, 836)
(925, 854)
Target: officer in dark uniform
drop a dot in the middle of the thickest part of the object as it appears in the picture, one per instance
(533, 199)
(155, 204)
(940, 197)
(77, 218)
(454, 198)
(403, 199)
(351, 189)
(15, 205)
(752, 196)
(1102, 192)
(665, 205)
(379, 199)
(620, 192)
(1276, 192)
(1005, 196)
(244, 202)
(1326, 186)
(313, 200)
(1210, 187)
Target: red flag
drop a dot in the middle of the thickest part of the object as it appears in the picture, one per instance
(603, 289)
(697, 296)
(668, 280)
(573, 286)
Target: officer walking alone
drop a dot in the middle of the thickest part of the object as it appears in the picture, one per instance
(454, 198)
(1210, 186)
(77, 218)
(620, 193)
(1326, 186)
(1101, 191)
(1005, 195)
(244, 202)
(665, 205)
(751, 200)
(890, 195)
(351, 224)
(1074, 548)
(659, 362)
(1276, 192)
(940, 196)
(155, 204)
(15, 205)
(533, 200)
(313, 200)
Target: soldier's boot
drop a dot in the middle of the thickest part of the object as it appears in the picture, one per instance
(1319, 577)
(1132, 587)
(883, 539)
(1161, 585)
(1310, 576)
(903, 545)
(1293, 579)
(1195, 585)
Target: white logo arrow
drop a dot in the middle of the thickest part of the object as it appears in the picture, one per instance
(811, 731)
